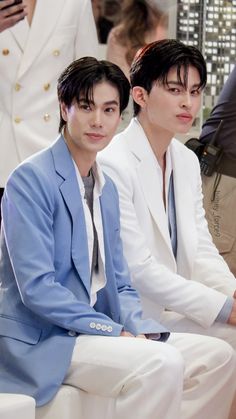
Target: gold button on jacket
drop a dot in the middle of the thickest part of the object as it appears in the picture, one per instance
(5, 51)
(46, 86)
(17, 87)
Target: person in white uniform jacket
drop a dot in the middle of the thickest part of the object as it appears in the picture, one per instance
(33, 54)
(183, 281)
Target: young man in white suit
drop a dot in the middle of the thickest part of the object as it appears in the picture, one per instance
(33, 54)
(183, 280)
(68, 312)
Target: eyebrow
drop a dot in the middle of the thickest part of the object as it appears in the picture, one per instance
(109, 102)
(178, 83)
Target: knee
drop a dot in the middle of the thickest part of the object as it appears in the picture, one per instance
(169, 361)
(222, 353)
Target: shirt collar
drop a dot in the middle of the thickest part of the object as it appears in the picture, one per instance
(98, 178)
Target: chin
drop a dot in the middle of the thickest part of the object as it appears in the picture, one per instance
(185, 129)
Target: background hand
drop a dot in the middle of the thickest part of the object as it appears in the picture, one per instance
(10, 16)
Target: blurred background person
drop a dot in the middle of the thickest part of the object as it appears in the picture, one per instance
(219, 189)
(103, 24)
(33, 54)
(11, 12)
(141, 22)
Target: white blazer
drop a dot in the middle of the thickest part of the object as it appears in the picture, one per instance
(31, 59)
(197, 283)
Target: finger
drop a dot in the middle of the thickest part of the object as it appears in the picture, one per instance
(6, 3)
(17, 10)
(126, 334)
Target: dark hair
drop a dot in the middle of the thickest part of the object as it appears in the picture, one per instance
(153, 63)
(80, 77)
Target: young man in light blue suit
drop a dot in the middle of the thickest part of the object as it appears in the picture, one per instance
(68, 312)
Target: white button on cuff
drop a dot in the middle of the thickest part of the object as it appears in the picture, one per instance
(104, 327)
(72, 333)
(98, 326)
(92, 325)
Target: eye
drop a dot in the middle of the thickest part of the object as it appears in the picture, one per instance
(110, 109)
(85, 107)
(196, 92)
(174, 90)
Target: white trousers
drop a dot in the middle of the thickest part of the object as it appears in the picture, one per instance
(190, 377)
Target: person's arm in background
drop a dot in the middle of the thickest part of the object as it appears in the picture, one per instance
(10, 14)
(225, 110)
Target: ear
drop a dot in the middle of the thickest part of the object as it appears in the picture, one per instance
(139, 96)
(64, 111)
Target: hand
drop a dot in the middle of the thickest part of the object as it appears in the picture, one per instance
(232, 317)
(8, 17)
(129, 335)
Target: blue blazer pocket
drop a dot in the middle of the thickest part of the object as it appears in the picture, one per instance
(19, 330)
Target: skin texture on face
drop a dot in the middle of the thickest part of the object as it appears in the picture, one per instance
(91, 125)
(170, 109)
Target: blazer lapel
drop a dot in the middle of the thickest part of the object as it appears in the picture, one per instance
(71, 194)
(186, 230)
(44, 20)
(20, 33)
(146, 166)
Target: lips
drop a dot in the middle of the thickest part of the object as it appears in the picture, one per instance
(184, 117)
(94, 136)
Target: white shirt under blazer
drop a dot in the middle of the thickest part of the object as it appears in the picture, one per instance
(197, 283)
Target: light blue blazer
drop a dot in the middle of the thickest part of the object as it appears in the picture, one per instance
(45, 276)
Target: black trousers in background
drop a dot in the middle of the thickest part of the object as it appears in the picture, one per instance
(1, 194)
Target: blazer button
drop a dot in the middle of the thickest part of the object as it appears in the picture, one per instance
(17, 87)
(72, 333)
(56, 52)
(5, 51)
(92, 325)
(98, 326)
(17, 119)
(46, 86)
(46, 117)
(104, 327)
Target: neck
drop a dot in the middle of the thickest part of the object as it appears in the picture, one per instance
(158, 138)
(30, 9)
(84, 161)
(83, 166)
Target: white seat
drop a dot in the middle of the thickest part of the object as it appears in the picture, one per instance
(71, 403)
(16, 406)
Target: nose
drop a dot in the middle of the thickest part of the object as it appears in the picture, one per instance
(186, 100)
(96, 120)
